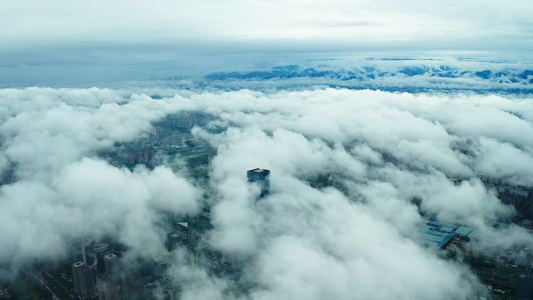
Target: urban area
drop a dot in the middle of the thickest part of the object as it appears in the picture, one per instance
(97, 271)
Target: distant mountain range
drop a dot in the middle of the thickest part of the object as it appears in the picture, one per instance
(388, 76)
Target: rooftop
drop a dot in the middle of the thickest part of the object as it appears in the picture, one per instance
(259, 171)
(464, 231)
(434, 237)
(78, 264)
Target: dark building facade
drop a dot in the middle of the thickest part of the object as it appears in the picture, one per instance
(107, 288)
(524, 289)
(111, 262)
(262, 178)
(196, 228)
(83, 279)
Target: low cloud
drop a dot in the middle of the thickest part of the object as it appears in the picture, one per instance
(353, 237)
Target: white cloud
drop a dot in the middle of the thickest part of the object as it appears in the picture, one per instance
(299, 242)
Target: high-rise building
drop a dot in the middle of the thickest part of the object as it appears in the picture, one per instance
(524, 289)
(131, 283)
(262, 178)
(107, 288)
(111, 264)
(88, 253)
(100, 250)
(187, 120)
(159, 267)
(174, 239)
(82, 276)
(196, 228)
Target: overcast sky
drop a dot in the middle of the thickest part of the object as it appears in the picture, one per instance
(481, 24)
(115, 32)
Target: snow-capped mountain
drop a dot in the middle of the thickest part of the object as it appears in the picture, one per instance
(389, 74)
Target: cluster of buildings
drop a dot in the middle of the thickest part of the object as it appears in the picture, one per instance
(120, 279)
(102, 273)
(136, 154)
(170, 136)
(96, 274)
(434, 233)
(187, 120)
(510, 271)
(520, 198)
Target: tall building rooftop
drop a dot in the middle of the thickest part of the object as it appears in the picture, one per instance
(260, 176)
(259, 170)
(78, 264)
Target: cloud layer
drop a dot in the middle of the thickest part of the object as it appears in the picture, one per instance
(353, 239)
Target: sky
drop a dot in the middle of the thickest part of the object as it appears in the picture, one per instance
(340, 22)
(88, 40)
